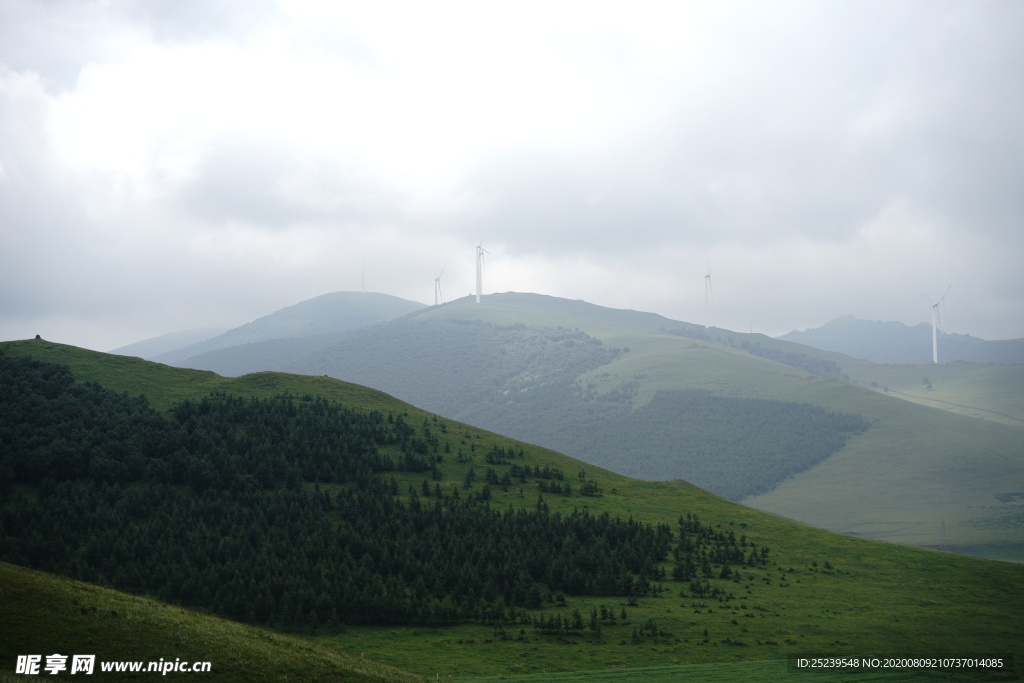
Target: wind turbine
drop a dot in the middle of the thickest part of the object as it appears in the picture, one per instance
(707, 298)
(936, 324)
(480, 251)
(437, 287)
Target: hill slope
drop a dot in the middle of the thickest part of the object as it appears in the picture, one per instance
(817, 592)
(152, 348)
(329, 314)
(894, 342)
(911, 474)
(44, 614)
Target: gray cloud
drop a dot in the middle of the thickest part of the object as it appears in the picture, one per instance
(826, 157)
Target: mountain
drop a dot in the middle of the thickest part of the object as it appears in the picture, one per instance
(247, 496)
(894, 342)
(306, 322)
(763, 421)
(151, 349)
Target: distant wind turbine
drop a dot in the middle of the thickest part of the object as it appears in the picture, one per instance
(708, 294)
(480, 251)
(936, 324)
(437, 287)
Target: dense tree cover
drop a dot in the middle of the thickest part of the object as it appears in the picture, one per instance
(54, 428)
(208, 507)
(293, 558)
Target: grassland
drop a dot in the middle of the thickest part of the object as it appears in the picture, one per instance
(824, 593)
(918, 475)
(874, 597)
(984, 391)
(43, 614)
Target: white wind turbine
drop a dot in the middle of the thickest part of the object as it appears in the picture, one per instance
(437, 287)
(707, 298)
(480, 251)
(936, 324)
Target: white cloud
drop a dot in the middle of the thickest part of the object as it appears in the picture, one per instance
(173, 164)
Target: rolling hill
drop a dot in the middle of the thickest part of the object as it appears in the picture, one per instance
(603, 385)
(796, 589)
(44, 614)
(152, 348)
(305, 323)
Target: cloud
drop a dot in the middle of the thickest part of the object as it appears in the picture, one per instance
(168, 165)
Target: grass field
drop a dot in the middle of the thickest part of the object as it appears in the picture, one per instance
(984, 391)
(44, 614)
(824, 593)
(918, 476)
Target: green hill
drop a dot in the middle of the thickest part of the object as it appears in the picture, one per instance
(327, 315)
(984, 391)
(601, 384)
(737, 585)
(166, 343)
(44, 614)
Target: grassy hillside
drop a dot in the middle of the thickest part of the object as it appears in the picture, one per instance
(165, 385)
(43, 614)
(156, 346)
(821, 592)
(327, 314)
(917, 475)
(987, 392)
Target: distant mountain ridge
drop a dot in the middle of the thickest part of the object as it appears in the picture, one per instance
(327, 315)
(894, 342)
(154, 347)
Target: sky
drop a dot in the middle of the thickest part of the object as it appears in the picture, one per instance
(167, 164)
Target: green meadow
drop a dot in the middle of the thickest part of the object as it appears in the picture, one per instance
(985, 391)
(821, 593)
(45, 614)
(932, 478)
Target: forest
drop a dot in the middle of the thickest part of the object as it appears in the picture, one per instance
(287, 512)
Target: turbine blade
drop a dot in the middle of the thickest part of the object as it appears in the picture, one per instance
(944, 294)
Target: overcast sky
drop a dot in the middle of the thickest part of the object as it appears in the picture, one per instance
(166, 165)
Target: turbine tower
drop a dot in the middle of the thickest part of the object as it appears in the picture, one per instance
(707, 298)
(480, 251)
(936, 324)
(437, 287)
